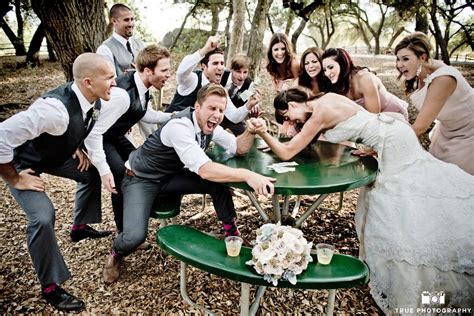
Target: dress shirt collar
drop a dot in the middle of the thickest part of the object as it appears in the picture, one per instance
(85, 105)
(121, 39)
(204, 80)
(229, 83)
(197, 129)
(140, 86)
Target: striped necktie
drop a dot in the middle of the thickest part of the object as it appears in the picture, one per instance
(203, 141)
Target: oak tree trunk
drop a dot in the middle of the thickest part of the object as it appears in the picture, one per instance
(255, 51)
(72, 27)
(237, 35)
(32, 56)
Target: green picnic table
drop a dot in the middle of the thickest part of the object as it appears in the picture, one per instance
(207, 253)
(323, 168)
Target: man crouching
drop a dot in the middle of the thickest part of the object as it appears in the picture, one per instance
(172, 161)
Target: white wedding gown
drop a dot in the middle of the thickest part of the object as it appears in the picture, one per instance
(416, 223)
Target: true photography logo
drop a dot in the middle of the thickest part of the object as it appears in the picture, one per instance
(433, 302)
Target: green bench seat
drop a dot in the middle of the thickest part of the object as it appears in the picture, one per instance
(166, 207)
(207, 253)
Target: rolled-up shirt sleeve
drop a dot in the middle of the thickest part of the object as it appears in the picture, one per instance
(110, 112)
(154, 116)
(186, 79)
(179, 134)
(233, 114)
(47, 115)
(225, 139)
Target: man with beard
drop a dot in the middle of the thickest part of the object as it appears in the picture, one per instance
(107, 143)
(172, 161)
(47, 138)
(211, 59)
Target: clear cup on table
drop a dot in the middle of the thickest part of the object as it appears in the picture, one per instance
(233, 245)
(324, 253)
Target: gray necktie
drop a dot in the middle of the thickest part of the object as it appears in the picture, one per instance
(232, 90)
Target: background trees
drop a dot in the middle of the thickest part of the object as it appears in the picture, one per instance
(72, 27)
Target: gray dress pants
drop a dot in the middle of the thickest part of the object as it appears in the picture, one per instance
(41, 238)
(139, 196)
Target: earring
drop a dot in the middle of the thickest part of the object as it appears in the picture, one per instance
(418, 70)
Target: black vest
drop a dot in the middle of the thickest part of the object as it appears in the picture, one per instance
(180, 102)
(46, 150)
(236, 100)
(134, 113)
(154, 160)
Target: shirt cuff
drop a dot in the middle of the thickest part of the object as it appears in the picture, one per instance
(103, 168)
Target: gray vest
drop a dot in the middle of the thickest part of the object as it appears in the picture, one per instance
(154, 160)
(122, 57)
(46, 150)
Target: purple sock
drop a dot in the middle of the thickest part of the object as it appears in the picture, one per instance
(78, 226)
(49, 288)
(115, 254)
(230, 228)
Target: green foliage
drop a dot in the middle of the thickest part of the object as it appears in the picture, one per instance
(189, 41)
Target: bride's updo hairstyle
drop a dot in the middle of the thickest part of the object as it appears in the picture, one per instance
(419, 44)
(283, 98)
(291, 95)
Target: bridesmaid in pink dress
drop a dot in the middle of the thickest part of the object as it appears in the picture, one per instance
(359, 84)
(441, 94)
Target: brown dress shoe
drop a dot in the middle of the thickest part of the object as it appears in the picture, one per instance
(144, 246)
(111, 270)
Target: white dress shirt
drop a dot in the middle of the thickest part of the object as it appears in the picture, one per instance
(105, 51)
(187, 81)
(184, 137)
(47, 115)
(111, 111)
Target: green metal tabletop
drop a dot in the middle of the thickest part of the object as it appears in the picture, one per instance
(209, 254)
(322, 168)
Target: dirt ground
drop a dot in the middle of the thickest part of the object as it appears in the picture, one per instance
(150, 282)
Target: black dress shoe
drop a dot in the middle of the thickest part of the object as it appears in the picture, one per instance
(88, 232)
(63, 301)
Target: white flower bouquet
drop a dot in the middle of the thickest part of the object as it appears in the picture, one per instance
(280, 252)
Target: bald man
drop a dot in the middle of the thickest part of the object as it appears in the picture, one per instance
(47, 138)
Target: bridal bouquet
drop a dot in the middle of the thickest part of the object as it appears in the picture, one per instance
(280, 252)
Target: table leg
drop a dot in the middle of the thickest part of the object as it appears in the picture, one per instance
(184, 292)
(276, 208)
(338, 208)
(256, 204)
(331, 298)
(245, 299)
(311, 209)
(256, 303)
(286, 206)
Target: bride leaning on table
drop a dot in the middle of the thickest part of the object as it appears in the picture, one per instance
(415, 223)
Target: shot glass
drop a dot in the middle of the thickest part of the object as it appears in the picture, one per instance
(324, 253)
(233, 245)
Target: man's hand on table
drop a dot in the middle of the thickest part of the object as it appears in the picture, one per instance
(261, 184)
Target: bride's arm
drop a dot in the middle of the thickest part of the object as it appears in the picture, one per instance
(286, 151)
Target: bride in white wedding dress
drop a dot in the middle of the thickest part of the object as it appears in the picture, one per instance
(415, 223)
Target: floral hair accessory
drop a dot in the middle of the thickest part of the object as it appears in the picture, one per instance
(280, 252)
